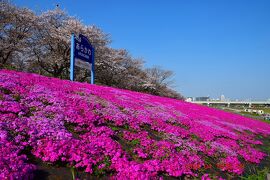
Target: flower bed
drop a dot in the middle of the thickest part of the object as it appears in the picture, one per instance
(118, 133)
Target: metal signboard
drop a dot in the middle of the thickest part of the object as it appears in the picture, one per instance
(82, 54)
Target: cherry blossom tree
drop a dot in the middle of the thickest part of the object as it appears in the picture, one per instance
(16, 25)
(41, 44)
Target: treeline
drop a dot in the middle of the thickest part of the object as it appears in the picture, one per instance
(41, 44)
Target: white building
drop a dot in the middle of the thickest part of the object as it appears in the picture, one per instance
(189, 99)
(222, 98)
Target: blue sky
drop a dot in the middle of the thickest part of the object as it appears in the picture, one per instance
(214, 47)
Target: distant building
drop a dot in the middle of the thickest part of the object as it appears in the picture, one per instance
(202, 98)
(222, 98)
(189, 99)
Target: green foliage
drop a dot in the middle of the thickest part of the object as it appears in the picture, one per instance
(115, 128)
(5, 91)
(194, 136)
(103, 170)
(135, 142)
(9, 67)
(73, 172)
(71, 128)
(126, 126)
(17, 97)
(259, 175)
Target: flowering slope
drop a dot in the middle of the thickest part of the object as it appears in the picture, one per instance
(107, 131)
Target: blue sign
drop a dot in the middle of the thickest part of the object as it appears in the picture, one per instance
(82, 54)
(83, 49)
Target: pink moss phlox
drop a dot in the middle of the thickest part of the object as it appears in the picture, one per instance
(79, 125)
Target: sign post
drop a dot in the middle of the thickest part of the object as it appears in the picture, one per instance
(72, 59)
(82, 54)
(93, 67)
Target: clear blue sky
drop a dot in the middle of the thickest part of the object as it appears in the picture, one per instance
(214, 46)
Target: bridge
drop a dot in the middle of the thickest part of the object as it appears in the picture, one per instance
(228, 103)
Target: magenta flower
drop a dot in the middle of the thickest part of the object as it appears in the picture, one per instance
(133, 135)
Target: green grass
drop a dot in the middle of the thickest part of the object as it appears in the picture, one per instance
(266, 110)
(258, 175)
(247, 114)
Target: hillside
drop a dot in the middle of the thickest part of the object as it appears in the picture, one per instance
(95, 131)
